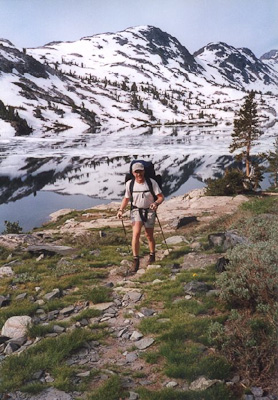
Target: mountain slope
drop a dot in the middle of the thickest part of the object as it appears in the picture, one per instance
(38, 93)
(240, 67)
(136, 77)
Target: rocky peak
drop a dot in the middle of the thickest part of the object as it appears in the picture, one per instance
(167, 46)
(270, 55)
(239, 66)
(6, 43)
(220, 49)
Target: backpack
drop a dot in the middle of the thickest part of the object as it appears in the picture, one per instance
(149, 173)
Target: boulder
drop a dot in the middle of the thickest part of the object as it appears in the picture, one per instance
(50, 249)
(202, 383)
(144, 343)
(16, 327)
(221, 264)
(227, 240)
(6, 271)
(52, 295)
(232, 239)
(175, 240)
(51, 394)
(182, 221)
(5, 300)
(216, 239)
(196, 287)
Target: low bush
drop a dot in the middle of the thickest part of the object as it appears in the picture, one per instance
(249, 341)
(230, 184)
(251, 276)
(249, 287)
(12, 227)
(262, 227)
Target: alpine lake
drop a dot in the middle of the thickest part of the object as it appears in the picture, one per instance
(41, 174)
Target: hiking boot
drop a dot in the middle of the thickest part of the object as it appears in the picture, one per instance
(135, 265)
(151, 258)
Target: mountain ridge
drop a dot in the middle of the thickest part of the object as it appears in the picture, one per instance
(141, 75)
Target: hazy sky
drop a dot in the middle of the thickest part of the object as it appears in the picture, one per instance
(195, 23)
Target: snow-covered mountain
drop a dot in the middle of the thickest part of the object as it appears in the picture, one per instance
(93, 104)
(271, 58)
(139, 76)
(238, 67)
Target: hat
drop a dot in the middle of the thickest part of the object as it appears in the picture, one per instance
(137, 167)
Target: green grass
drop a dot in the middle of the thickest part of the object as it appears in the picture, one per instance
(217, 392)
(23, 307)
(86, 314)
(111, 390)
(182, 348)
(261, 205)
(47, 355)
(190, 328)
(97, 294)
(42, 330)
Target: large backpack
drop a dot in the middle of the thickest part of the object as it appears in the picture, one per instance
(149, 173)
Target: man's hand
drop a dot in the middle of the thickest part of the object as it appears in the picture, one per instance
(154, 206)
(120, 214)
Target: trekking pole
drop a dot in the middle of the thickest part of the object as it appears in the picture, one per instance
(125, 234)
(162, 232)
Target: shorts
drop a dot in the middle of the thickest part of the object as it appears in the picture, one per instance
(135, 217)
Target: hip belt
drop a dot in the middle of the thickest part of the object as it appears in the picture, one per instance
(143, 212)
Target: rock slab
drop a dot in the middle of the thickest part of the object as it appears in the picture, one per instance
(16, 327)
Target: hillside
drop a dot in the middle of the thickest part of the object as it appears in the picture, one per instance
(139, 76)
(98, 333)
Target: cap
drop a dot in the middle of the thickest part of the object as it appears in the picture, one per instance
(137, 167)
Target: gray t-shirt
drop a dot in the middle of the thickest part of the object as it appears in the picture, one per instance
(142, 197)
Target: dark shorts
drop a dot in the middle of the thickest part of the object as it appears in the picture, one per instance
(135, 217)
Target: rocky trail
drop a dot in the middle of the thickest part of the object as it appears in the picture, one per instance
(124, 347)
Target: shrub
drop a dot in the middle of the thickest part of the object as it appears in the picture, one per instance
(249, 341)
(262, 227)
(251, 277)
(230, 184)
(250, 285)
(12, 227)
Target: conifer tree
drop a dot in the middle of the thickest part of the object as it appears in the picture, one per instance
(246, 131)
(272, 158)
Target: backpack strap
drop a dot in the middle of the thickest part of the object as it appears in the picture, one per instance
(149, 183)
(131, 186)
(150, 186)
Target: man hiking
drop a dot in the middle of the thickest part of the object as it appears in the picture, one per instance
(143, 210)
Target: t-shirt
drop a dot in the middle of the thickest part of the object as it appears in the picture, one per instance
(142, 197)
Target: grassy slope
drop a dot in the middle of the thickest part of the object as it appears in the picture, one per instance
(182, 351)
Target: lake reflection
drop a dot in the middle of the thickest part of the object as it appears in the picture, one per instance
(94, 165)
(32, 211)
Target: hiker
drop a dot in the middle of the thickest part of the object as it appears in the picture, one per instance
(143, 210)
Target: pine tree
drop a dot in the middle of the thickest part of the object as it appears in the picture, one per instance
(246, 131)
(134, 87)
(272, 158)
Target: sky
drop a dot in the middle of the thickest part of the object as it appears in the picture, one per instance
(195, 23)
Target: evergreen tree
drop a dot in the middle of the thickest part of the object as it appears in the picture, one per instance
(246, 131)
(134, 87)
(272, 158)
(124, 86)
